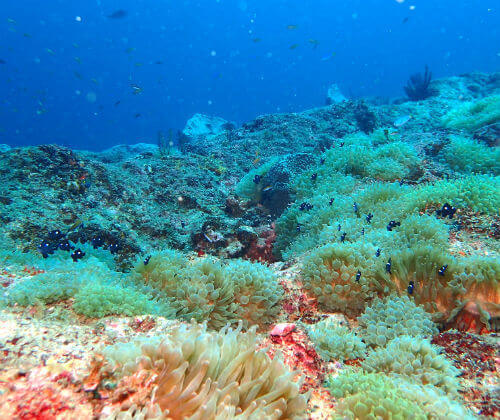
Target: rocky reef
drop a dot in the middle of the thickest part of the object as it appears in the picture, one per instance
(271, 270)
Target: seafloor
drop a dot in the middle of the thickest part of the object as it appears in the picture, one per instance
(342, 262)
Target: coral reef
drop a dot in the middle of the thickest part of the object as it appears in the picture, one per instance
(339, 238)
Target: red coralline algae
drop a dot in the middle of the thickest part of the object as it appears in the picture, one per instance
(41, 396)
(299, 354)
(468, 352)
(296, 304)
(477, 359)
(32, 271)
(40, 404)
(261, 249)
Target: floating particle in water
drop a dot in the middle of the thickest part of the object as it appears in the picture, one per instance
(118, 14)
(242, 5)
(91, 97)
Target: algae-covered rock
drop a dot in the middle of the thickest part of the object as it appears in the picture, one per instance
(205, 127)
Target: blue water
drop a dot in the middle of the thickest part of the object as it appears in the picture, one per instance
(68, 70)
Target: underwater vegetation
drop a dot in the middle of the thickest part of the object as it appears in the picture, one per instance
(165, 283)
(474, 114)
(211, 291)
(336, 342)
(378, 395)
(341, 262)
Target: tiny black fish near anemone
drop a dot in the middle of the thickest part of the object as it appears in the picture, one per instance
(55, 235)
(342, 237)
(331, 201)
(65, 245)
(146, 260)
(339, 227)
(446, 211)
(369, 217)
(78, 254)
(257, 179)
(392, 224)
(377, 253)
(314, 176)
(358, 276)
(388, 266)
(114, 248)
(46, 248)
(305, 206)
(411, 286)
(298, 228)
(355, 207)
(97, 242)
(442, 270)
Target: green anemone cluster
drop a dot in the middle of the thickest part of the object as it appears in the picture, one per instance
(170, 285)
(465, 155)
(348, 277)
(364, 395)
(415, 358)
(330, 274)
(336, 342)
(94, 284)
(474, 114)
(333, 213)
(392, 317)
(346, 239)
(209, 290)
(404, 376)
